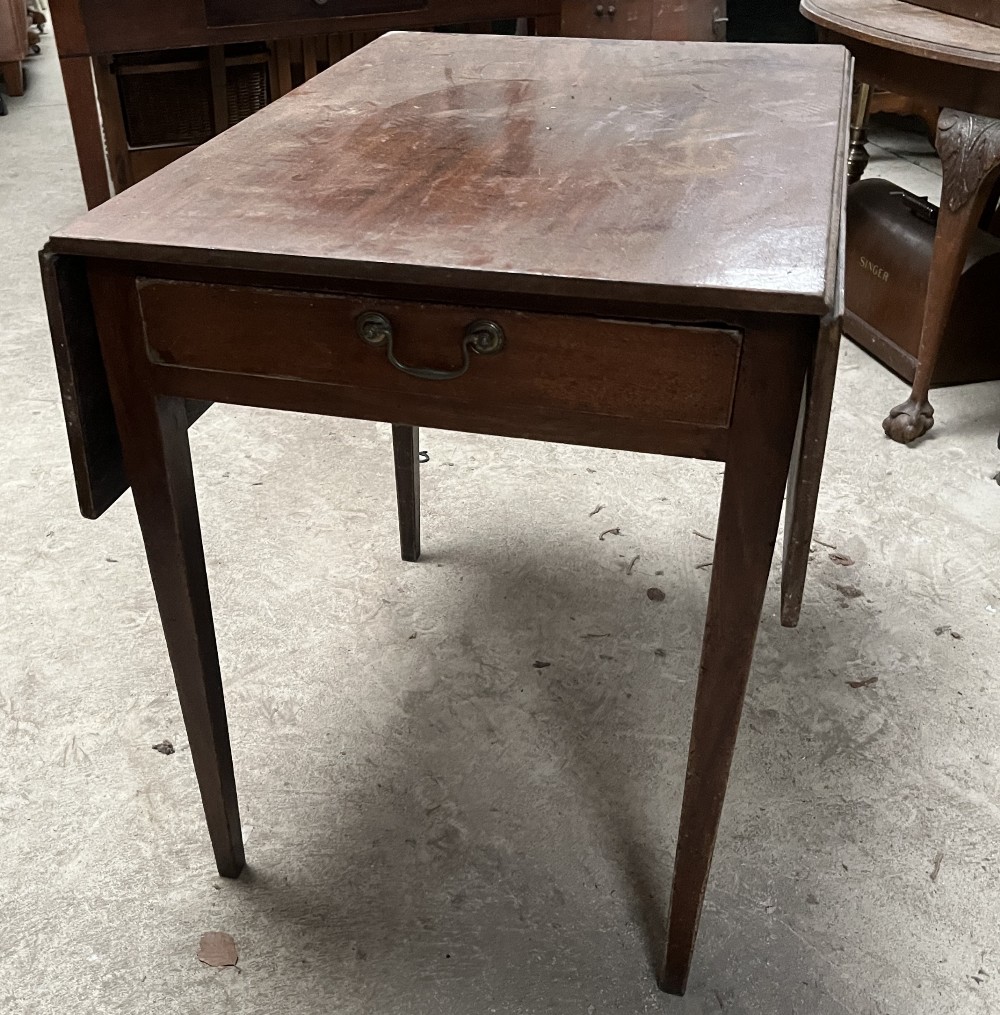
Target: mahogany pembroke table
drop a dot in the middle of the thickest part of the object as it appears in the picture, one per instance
(583, 241)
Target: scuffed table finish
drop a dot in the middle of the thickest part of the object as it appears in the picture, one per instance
(570, 240)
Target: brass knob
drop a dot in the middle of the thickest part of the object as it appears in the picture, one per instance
(599, 10)
(485, 337)
(374, 329)
(611, 10)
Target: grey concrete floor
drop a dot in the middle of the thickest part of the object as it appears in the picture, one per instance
(434, 824)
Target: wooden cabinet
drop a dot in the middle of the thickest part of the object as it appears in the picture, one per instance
(263, 12)
(645, 19)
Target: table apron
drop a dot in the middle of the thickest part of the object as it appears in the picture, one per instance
(971, 89)
(530, 423)
(664, 387)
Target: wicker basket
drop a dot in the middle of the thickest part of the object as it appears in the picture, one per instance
(166, 97)
(246, 90)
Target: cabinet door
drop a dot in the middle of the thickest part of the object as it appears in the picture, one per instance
(689, 19)
(608, 19)
(644, 19)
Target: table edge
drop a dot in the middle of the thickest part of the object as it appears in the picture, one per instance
(818, 14)
(471, 280)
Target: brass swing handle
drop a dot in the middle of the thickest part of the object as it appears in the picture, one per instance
(486, 338)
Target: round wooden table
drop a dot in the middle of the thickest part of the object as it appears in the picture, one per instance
(954, 63)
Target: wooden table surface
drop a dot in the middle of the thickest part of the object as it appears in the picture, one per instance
(569, 167)
(907, 28)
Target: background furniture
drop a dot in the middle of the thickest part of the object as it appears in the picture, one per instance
(890, 246)
(984, 11)
(954, 63)
(14, 25)
(167, 77)
(516, 287)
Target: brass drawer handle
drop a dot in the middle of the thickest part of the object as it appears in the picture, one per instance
(485, 338)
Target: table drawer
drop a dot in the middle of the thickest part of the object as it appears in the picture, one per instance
(607, 19)
(665, 372)
(262, 12)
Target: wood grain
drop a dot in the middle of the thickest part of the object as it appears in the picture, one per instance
(82, 102)
(985, 11)
(650, 371)
(764, 420)
(406, 459)
(908, 28)
(106, 27)
(563, 166)
(158, 461)
(221, 13)
(539, 183)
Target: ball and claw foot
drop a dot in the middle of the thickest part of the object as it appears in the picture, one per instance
(906, 422)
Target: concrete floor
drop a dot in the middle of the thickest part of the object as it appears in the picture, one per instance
(434, 824)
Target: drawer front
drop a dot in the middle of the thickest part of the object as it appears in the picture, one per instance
(661, 372)
(607, 19)
(220, 13)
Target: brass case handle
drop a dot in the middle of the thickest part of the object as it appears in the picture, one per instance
(485, 338)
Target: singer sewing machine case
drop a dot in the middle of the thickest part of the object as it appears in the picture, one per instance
(890, 239)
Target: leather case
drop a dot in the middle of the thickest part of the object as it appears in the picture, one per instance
(890, 241)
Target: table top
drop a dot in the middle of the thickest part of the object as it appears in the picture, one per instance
(686, 173)
(908, 28)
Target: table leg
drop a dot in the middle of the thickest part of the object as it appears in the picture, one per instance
(807, 470)
(969, 147)
(13, 77)
(406, 453)
(154, 438)
(78, 81)
(857, 159)
(765, 414)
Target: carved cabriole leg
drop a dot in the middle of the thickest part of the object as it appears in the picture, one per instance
(857, 158)
(969, 147)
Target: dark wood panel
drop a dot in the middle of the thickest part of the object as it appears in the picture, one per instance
(80, 98)
(945, 84)
(690, 20)
(95, 447)
(905, 27)
(608, 19)
(113, 27)
(90, 419)
(985, 11)
(640, 370)
(269, 12)
(535, 423)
